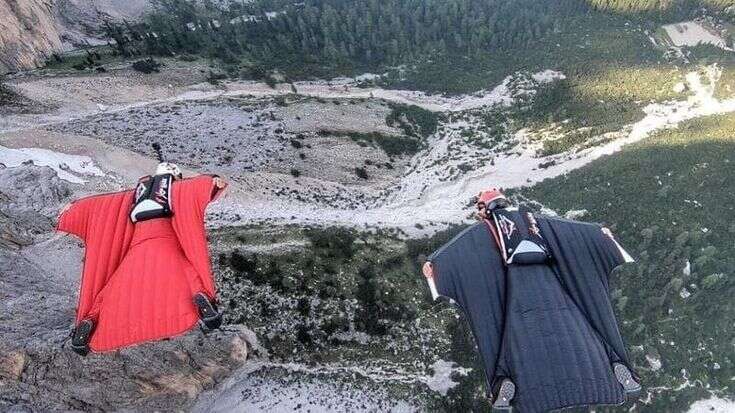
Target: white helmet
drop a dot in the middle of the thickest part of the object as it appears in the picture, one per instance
(164, 168)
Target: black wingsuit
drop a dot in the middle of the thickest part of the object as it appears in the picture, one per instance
(549, 327)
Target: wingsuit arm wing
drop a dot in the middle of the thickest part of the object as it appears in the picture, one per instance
(584, 257)
(602, 253)
(102, 222)
(470, 271)
(73, 219)
(190, 200)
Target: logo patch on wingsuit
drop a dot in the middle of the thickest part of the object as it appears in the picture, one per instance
(507, 226)
(162, 191)
(152, 198)
(520, 237)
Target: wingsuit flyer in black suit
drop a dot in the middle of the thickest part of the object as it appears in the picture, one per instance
(536, 293)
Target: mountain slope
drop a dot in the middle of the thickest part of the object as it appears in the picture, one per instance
(28, 34)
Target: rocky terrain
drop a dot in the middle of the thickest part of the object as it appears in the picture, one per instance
(38, 288)
(80, 22)
(319, 155)
(28, 34)
(31, 31)
(79, 139)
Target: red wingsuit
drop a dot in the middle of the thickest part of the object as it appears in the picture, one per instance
(139, 280)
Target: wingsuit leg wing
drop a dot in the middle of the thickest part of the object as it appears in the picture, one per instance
(586, 255)
(102, 223)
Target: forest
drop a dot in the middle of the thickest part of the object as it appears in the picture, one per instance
(366, 33)
(327, 37)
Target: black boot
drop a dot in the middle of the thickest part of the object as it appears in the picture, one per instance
(211, 318)
(80, 337)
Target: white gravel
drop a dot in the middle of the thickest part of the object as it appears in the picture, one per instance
(70, 168)
(713, 405)
(691, 34)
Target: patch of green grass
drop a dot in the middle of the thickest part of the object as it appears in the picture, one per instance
(413, 120)
(599, 101)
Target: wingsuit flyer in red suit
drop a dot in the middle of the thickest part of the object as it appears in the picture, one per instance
(146, 274)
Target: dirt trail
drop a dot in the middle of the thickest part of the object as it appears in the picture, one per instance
(77, 97)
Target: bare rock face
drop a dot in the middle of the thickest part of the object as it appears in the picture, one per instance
(39, 282)
(32, 189)
(28, 33)
(32, 30)
(82, 21)
(161, 376)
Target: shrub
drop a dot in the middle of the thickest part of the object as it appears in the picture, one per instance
(413, 120)
(335, 241)
(147, 66)
(215, 77)
(270, 81)
(712, 280)
(361, 173)
(242, 263)
(5, 97)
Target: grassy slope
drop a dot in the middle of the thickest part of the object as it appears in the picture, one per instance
(583, 44)
(613, 71)
(670, 199)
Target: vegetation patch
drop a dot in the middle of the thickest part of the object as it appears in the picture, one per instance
(669, 201)
(413, 120)
(148, 66)
(446, 52)
(346, 297)
(92, 58)
(6, 95)
(393, 145)
(597, 102)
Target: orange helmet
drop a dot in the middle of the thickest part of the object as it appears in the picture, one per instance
(492, 199)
